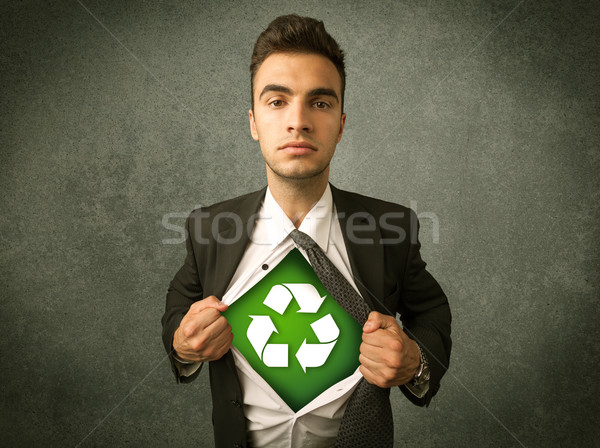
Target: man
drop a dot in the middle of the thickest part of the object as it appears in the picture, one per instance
(298, 82)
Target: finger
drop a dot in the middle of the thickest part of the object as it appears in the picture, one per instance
(193, 324)
(373, 366)
(204, 341)
(217, 340)
(218, 330)
(372, 353)
(383, 378)
(390, 372)
(209, 302)
(373, 322)
(223, 344)
(382, 322)
(378, 321)
(376, 340)
(370, 377)
(383, 338)
(390, 353)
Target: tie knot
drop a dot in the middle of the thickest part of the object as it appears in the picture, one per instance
(302, 239)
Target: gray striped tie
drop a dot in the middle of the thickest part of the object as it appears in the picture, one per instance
(367, 421)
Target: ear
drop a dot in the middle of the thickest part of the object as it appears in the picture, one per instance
(342, 123)
(253, 130)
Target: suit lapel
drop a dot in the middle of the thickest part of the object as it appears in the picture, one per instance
(364, 248)
(233, 237)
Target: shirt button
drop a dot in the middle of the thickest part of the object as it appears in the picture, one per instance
(265, 267)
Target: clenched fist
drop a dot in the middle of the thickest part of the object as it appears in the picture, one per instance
(203, 334)
(388, 357)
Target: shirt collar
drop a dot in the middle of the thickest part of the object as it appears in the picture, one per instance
(316, 223)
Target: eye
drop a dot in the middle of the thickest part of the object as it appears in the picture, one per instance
(276, 103)
(321, 105)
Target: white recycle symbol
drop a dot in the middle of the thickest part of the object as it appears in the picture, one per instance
(308, 355)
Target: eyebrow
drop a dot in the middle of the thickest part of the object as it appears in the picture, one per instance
(320, 91)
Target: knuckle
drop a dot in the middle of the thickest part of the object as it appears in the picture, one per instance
(211, 300)
(387, 376)
(396, 345)
(208, 333)
(209, 353)
(378, 382)
(197, 306)
(394, 362)
(187, 330)
(205, 337)
(212, 313)
(199, 343)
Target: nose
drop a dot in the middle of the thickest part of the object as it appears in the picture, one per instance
(299, 118)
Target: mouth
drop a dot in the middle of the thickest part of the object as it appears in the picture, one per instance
(298, 148)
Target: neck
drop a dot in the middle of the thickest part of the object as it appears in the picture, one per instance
(297, 196)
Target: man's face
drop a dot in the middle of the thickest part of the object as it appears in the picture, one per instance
(297, 116)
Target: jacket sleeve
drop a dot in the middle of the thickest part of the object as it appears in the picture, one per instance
(183, 291)
(426, 318)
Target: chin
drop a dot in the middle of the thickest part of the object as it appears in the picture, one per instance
(300, 174)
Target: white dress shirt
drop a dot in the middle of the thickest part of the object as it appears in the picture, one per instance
(270, 421)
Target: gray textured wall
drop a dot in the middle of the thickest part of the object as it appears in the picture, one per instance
(482, 115)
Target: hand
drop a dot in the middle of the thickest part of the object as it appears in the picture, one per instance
(388, 357)
(203, 334)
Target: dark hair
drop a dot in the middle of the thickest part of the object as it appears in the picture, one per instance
(295, 34)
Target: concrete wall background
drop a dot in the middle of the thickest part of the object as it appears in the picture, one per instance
(115, 114)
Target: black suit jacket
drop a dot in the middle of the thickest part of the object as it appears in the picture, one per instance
(383, 248)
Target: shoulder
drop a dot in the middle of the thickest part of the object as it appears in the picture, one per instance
(394, 222)
(244, 203)
(377, 207)
(206, 223)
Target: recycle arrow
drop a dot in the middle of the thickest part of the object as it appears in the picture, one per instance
(315, 355)
(259, 332)
(306, 295)
(262, 327)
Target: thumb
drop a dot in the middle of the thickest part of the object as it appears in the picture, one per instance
(374, 322)
(209, 302)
